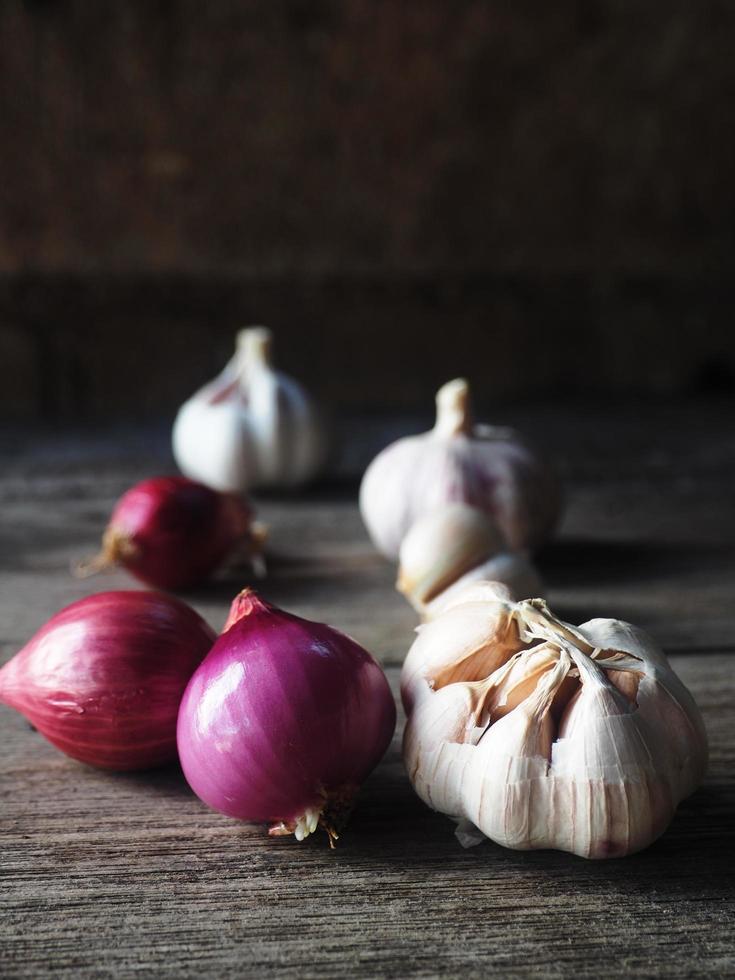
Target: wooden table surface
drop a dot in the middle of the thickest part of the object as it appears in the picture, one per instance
(130, 875)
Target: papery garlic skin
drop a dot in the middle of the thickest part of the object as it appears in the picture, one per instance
(483, 466)
(252, 426)
(677, 713)
(531, 730)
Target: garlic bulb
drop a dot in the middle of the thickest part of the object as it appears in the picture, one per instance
(538, 734)
(252, 426)
(459, 542)
(484, 466)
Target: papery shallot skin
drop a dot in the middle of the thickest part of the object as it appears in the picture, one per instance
(103, 679)
(282, 716)
(590, 760)
(489, 468)
(172, 532)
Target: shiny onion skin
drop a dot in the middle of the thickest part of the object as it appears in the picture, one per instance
(103, 679)
(283, 721)
(172, 533)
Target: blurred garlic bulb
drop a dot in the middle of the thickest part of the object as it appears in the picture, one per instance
(252, 426)
(538, 734)
(459, 543)
(484, 466)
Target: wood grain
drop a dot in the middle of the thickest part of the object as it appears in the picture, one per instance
(131, 876)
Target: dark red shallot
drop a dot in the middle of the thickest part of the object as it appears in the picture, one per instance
(172, 533)
(283, 721)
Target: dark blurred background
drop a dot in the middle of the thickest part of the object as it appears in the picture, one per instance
(538, 195)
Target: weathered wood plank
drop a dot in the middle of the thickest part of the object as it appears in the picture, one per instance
(110, 873)
(129, 875)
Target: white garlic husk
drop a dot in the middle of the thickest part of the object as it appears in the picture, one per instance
(252, 426)
(483, 466)
(453, 546)
(538, 734)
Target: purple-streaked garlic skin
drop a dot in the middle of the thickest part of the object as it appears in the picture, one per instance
(592, 755)
(490, 468)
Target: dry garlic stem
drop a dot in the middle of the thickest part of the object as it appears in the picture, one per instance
(539, 734)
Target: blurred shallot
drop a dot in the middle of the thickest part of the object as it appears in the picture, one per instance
(173, 533)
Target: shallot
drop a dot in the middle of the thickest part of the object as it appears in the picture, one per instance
(172, 533)
(283, 721)
(102, 680)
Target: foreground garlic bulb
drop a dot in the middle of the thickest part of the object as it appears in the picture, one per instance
(538, 734)
(480, 465)
(252, 426)
(455, 545)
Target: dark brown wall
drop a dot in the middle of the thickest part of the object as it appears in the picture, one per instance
(508, 188)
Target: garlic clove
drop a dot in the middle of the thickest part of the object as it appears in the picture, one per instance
(605, 749)
(507, 793)
(480, 636)
(444, 741)
(661, 699)
(521, 678)
(441, 547)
